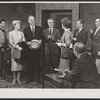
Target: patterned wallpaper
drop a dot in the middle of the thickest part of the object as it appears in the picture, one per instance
(13, 11)
(57, 6)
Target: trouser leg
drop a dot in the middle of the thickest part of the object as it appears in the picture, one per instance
(55, 61)
(48, 62)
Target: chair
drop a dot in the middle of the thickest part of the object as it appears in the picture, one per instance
(7, 61)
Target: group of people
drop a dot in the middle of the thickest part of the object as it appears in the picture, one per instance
(67, 52)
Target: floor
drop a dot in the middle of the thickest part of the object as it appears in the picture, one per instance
(7, 83)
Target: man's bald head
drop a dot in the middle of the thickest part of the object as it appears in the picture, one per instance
(31, 20)
(79, 47)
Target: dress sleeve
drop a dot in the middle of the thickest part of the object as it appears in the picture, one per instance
(67, 39)
(23, 37)
(11, 44)
(62, 38)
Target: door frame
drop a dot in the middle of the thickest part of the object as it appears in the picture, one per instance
(57, 6)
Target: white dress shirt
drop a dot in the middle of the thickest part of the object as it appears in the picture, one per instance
(32, 26)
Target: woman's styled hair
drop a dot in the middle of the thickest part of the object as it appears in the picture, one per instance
(1, 20)
(66, 22)
(15, 22)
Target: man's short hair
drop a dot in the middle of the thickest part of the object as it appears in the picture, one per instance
(81, 21)
(1, 20)
(80, 47)
(31, 16)
(50, 19)
(98, 18)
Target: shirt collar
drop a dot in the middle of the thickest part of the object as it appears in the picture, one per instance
(67, 30)
(83, 54)
(31, 26)
(98, 28)
(50, 28)
(80, 29)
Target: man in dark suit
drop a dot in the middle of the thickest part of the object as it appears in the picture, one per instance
(95, 35)
(51, 35)
(33, 32)
(84, 73)
(80, 34)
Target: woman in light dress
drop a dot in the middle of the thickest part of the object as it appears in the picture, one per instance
(66, 40)
(16, 36)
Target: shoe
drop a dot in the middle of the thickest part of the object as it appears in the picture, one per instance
(14, 82)
(38, 81)
(30, 80)
(18, 81)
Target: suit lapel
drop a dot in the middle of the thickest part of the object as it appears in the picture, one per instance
(35, 30)
(81, 31)
(95, 34)
(53, 31)
(48, 31)
(30, 30)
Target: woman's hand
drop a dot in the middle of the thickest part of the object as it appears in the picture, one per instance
(63, 44)
(19, 48)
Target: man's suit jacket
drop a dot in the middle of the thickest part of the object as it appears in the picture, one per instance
(82, 36)
(3, 38)
(29, 36)
(50, 45)
(96, 42)
(84, 69)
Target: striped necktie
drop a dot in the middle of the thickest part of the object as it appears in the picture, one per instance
(33, 30)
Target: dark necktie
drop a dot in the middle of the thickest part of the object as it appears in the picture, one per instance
(77, 33)
(33, 30)
(50, 31)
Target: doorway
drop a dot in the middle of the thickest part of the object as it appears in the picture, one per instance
(57, 15)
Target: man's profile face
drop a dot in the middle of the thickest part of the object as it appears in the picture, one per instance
(2, 24)
(31, 20)
(78, 24)
(97, 22)
(50, 23)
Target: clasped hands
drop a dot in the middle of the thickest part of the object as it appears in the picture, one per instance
(50, 37)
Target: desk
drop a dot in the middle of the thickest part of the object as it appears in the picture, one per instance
(52, 78)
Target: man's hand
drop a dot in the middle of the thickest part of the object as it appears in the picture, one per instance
(49, 37)
(99, 53)
(2, 50)
(75, 39)
(91, 31)
(28, 43)
(40, 41)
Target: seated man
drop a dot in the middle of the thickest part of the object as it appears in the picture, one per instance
(84, 73)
